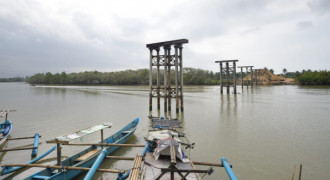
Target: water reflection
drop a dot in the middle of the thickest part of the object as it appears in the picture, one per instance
(228, 106)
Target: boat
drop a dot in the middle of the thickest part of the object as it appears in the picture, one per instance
(5, 129)
(165, 156)
(6, 169)
(85, 158)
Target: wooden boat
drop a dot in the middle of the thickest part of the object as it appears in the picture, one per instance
(86, 157)
(164, 157)
(5, 129)
(6, 170)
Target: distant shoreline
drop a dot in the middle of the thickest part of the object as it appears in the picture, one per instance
(191, 76)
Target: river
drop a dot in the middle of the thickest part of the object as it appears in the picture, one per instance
(263, 132)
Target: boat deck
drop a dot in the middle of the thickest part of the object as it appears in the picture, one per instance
(152, 168)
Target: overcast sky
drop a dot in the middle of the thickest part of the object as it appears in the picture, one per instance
(104, 35)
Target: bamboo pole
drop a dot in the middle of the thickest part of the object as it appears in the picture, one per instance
(193, 166)
(294, 171)
(208, 164)
(173, 154)
(104, 144)
(300, 171)
(21, 138)
(130, 177)
(17, 149)
(134, 175)
(59, 153)
(63, 167)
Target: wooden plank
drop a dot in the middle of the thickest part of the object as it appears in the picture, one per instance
(85, 156)
(104, 144)
(63, 167)
(78, 134)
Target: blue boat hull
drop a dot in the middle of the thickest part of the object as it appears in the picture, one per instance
(118, 138)
(5, 130)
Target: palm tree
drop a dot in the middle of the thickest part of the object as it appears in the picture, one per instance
(284, 70)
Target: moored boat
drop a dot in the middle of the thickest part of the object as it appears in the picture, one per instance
(5, 129)
(86, 158)
(165, 156)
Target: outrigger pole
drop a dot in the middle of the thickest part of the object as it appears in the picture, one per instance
(230, 172)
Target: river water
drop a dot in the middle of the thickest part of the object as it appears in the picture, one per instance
(263, 132)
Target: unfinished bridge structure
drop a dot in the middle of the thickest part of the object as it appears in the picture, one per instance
(227, 72)
(169, 63)
(249, 70)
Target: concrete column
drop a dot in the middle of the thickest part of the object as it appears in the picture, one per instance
(242, 77)
(234, 71)
(181, 78)
(251, 76)
(158, 80)
(227, 77)
(176, 80)
(221, 85)
(165, 79)
(247, 80)
(150, 81)
(169, 90)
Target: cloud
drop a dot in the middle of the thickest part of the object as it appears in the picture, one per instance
(40, 36)
(321, 7)
(304, 25)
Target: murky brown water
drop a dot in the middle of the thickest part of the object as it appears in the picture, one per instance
(262, 132)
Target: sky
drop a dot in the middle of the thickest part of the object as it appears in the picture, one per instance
(38, 36)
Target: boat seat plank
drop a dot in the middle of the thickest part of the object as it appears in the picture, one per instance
(87, 155)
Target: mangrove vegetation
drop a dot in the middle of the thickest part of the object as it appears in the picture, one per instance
(191, 76)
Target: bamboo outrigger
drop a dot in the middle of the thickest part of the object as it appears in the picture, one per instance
(82, 161)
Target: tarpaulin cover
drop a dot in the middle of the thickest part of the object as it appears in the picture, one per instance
(163, 148)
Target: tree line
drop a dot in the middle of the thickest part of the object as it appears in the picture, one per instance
(14, 79)
(191, 76)
(313, 77)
